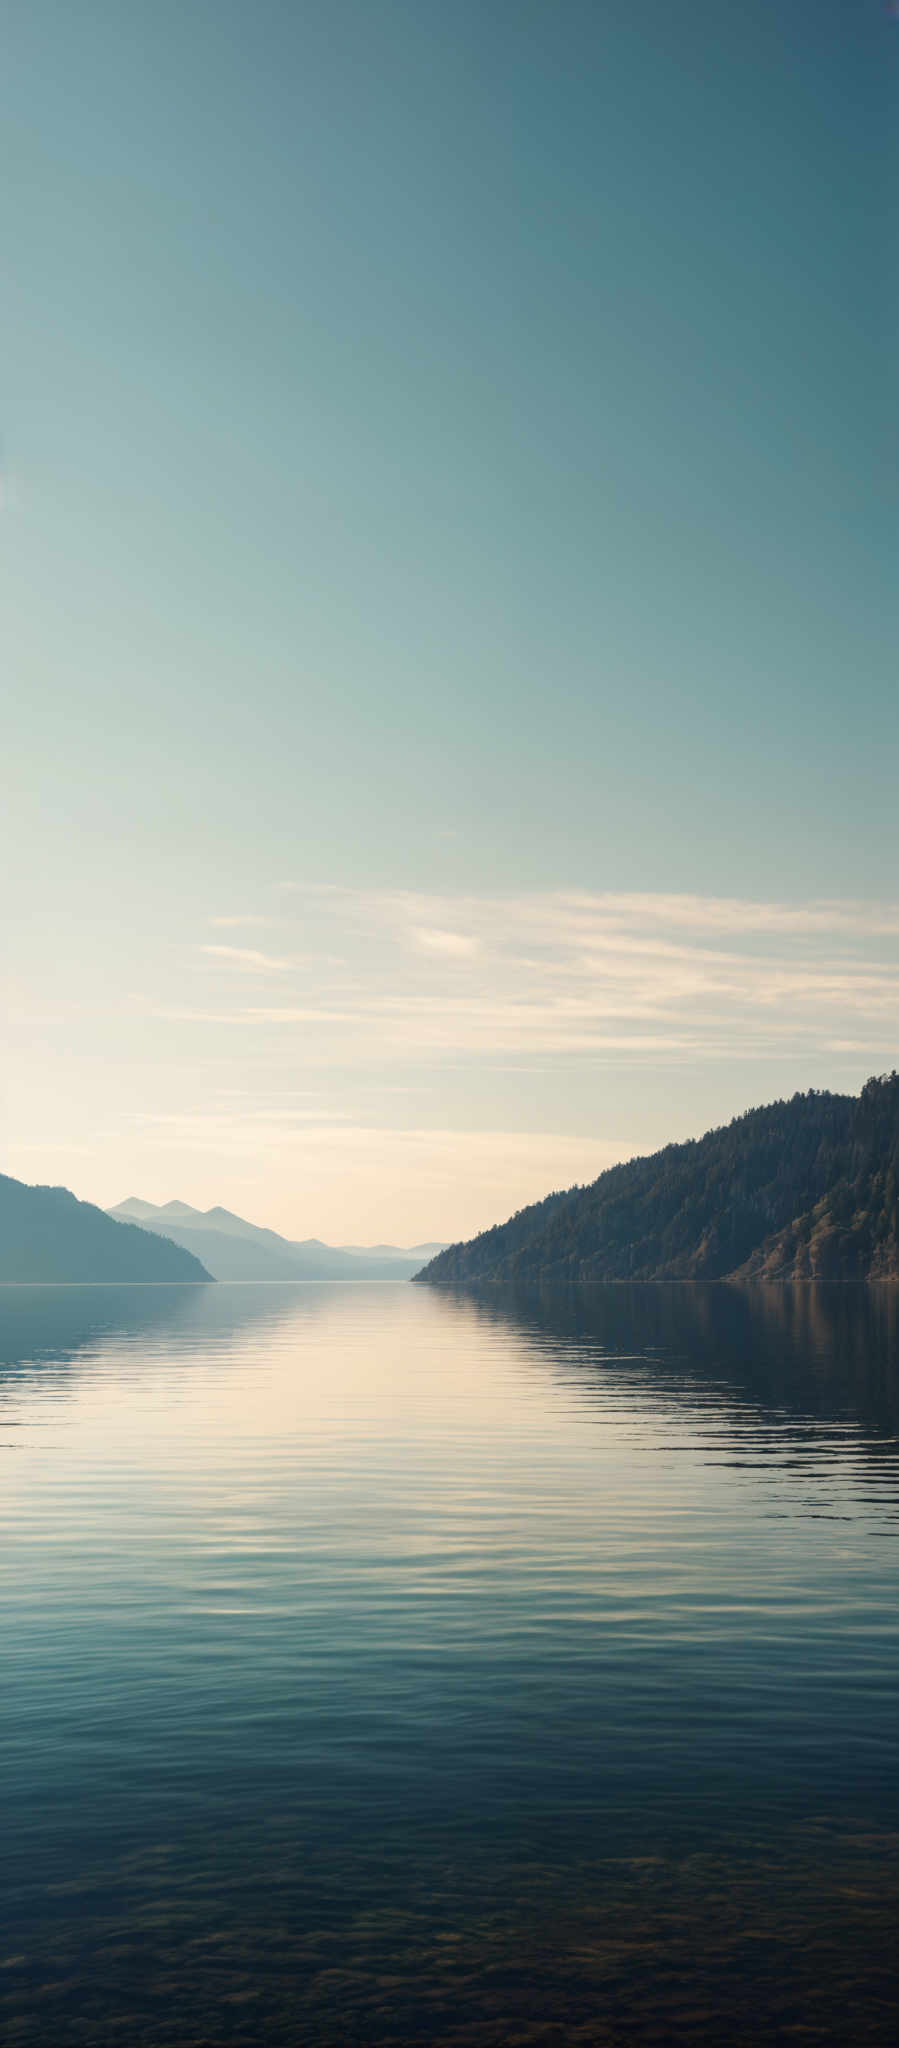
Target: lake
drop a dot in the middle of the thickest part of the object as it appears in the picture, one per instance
(389, 1666)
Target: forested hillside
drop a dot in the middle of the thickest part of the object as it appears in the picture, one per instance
(803, 1189)
(46, 1234)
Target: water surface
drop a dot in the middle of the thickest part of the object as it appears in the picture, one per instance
(387, 1666)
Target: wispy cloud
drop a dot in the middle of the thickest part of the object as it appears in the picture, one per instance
(569, 974)
(240, 920)
(245, 1127)
(552, 909)
(247, 959)
(446, 945)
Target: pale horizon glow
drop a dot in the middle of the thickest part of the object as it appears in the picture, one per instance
(566, 1031)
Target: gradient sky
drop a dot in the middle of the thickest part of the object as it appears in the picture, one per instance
(448, 551)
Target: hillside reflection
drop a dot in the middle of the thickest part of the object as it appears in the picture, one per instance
(56, 1330)
(56, 1322)
(813, 1352)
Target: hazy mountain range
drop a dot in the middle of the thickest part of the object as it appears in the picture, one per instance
(232, 1249)
(801, 1190)
(46, 1234)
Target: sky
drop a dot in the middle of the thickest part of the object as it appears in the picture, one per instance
(446, 568)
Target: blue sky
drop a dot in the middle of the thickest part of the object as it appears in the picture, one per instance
(449, 464)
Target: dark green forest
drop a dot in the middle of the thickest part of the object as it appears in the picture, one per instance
(805, 1189)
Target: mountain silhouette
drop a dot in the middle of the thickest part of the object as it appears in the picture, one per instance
(46, 1234)
(233, 1249)
(806, 1189)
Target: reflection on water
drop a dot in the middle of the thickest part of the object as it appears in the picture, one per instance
(388, 1666)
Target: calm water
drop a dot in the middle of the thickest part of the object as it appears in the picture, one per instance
(382, 1666)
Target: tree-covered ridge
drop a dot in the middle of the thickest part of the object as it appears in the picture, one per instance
(804, 1189)
(47, 1235)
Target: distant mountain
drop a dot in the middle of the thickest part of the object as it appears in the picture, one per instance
(801, 1190)
(393, 1251)
(46, 1234)
(233, 1249)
